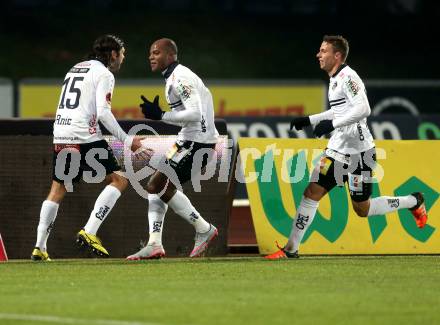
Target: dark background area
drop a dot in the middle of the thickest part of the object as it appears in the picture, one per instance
(224, 38)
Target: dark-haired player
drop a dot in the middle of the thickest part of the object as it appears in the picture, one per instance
(85, 99)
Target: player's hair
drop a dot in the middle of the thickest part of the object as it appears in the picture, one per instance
(339, 43)
(170, 45)
(103, 47)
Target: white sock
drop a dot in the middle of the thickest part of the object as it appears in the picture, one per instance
(48, 214)
(103, 205)
(385, 204)
(156, 215)
(303, 219)
(183, 207)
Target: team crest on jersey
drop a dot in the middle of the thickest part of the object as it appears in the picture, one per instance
(108, 98)
(352, 86)
(335, 85)
(184, 91)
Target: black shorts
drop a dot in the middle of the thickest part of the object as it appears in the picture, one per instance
(181, 157)
(335, 169)
(80, 150)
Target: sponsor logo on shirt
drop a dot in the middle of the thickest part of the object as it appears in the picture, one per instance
(184, 91)
(352, 86)
(108, 98)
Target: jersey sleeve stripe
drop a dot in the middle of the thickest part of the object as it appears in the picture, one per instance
(338, 103)
(336, 100)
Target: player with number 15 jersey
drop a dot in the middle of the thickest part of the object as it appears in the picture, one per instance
(85, 99)
(86, 96)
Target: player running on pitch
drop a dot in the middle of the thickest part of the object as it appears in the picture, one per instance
(192, 108)
(350, 148)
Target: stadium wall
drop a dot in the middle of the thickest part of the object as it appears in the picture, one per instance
(25, 173)
(277, 172)
(244, 98)
(6, 98)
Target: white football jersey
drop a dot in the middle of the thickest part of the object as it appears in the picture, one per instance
(185, 92)
(346, 94)
(87, 91)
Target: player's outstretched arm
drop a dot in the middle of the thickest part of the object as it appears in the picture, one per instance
(106, 117)
(191, 101)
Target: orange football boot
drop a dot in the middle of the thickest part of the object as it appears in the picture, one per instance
(281, 253)
(419, 211)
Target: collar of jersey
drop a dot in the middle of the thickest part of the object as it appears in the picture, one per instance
(98, 60)
(342, 66)
(169, 70)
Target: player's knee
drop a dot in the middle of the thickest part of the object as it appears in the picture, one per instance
(361, 211)
(118, 181)
(308, 193)
(314, 192)
(55, 197)
(152, 188)
(123, 183)
(157, 183)
(57, 192)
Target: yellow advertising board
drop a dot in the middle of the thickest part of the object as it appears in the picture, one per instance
(277, 172)
(40, 100)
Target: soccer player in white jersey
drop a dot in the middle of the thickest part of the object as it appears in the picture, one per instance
(86, 99)
(192, 108)
(350, 148)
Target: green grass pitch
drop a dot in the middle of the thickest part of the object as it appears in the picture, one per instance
(247, 290)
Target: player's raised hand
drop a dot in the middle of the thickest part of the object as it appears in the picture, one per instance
(151, 110)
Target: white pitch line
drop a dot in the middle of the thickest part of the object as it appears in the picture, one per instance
(67, 320)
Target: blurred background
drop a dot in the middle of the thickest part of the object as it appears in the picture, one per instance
(223, 38)
(256, 56)
(220, 40)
